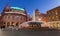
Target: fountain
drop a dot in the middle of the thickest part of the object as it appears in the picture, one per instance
(34, 24)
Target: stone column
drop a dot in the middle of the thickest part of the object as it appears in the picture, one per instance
(13, 25)
(18, 24)
(10, 23)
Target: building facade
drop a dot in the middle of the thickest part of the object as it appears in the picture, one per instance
(13, 16)
(54, 14)
(53, 17)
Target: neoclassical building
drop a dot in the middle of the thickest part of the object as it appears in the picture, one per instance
(13, 16)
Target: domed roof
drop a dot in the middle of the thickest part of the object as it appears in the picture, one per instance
(17, 8)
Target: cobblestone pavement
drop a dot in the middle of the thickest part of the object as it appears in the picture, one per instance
(29, 33)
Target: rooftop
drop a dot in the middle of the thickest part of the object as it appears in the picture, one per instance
(17, 8)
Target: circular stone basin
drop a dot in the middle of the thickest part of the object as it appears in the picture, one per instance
(32, 25)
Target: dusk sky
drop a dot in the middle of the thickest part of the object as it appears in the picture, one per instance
(31, 5)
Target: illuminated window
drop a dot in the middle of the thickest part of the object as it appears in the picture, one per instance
(56, 12)
(57, 17)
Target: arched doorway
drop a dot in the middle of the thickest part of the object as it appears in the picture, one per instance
(17, 25)
(8, 24)
(3, 26)
(12, 24)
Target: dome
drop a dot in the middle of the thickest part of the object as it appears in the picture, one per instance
(17, 8)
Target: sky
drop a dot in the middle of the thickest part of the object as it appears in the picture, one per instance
(31, 5)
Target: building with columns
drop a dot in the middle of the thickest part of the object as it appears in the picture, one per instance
(13, 16)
